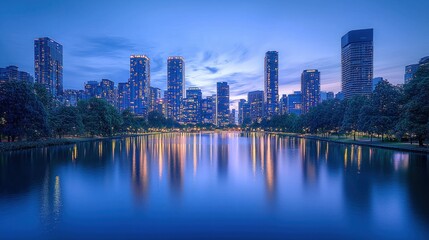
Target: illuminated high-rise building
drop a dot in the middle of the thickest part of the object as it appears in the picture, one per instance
(123, 96)
(175, 87)
(310, 89)
(222, 104)
(256, 105)
(154, 96)
(208, 109)
(139, 84)
(192, 106)
(48, 65)
(357, 62)
(283, 104)
(271, 83)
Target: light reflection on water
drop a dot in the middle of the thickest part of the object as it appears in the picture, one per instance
(222, 185)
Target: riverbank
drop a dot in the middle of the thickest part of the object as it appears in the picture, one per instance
(11, 146)
(379, 144)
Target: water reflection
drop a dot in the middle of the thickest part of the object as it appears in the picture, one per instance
(227, 167)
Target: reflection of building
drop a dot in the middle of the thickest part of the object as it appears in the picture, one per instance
(256, 104)
(140, 169)
(222, 104)
(310, 89)
(175, 87)
(271, 83)
(357, 62)
(48, 65)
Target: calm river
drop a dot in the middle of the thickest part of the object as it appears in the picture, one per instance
(219, 185)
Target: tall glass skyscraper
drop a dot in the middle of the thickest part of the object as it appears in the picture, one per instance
(48, 64)
(175, 87)
(222, 104)
(139, 84)
(357, 62)
(271, 83)
(310, 89)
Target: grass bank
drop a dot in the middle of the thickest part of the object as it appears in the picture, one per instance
(363, 142)
(21, 145)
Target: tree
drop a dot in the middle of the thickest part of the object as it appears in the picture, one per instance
(415, 112)
(384, 112)
(99, 117)
(351, 115)
(22, 114)
(156, 119)
(66, 120)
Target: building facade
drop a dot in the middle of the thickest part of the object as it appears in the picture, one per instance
(48, 65)
(139, 84)
(192, 106)
(222, 104)
(271, 83)
(357, 62)
(154, 98)
(310, 89)
(294, 103)
(123, 97)
(11, 73)
(208, 109)
(175, 87)
(256, 105)
(283, 105)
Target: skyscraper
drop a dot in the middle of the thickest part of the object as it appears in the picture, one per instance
(107, 91)
(310, 89)
(175, 87)
(222, 104)
(123, 96)
(192, 106)
(48, 64)
(256, 105)
(139, 84)
(357, 62)
(271, 83)
(154, 96)
(208, 109)
(294, 103)
(232, 117)
(283, 104)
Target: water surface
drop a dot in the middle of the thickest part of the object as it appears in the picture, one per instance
(219, 185)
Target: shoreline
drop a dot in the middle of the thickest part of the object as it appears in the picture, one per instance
(386, 145)
(24, 145)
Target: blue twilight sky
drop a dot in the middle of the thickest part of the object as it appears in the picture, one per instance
(222, 40)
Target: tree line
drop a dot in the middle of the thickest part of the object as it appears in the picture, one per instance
(392, 112)
(29, 112)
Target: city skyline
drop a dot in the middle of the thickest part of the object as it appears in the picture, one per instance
(101, 50)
